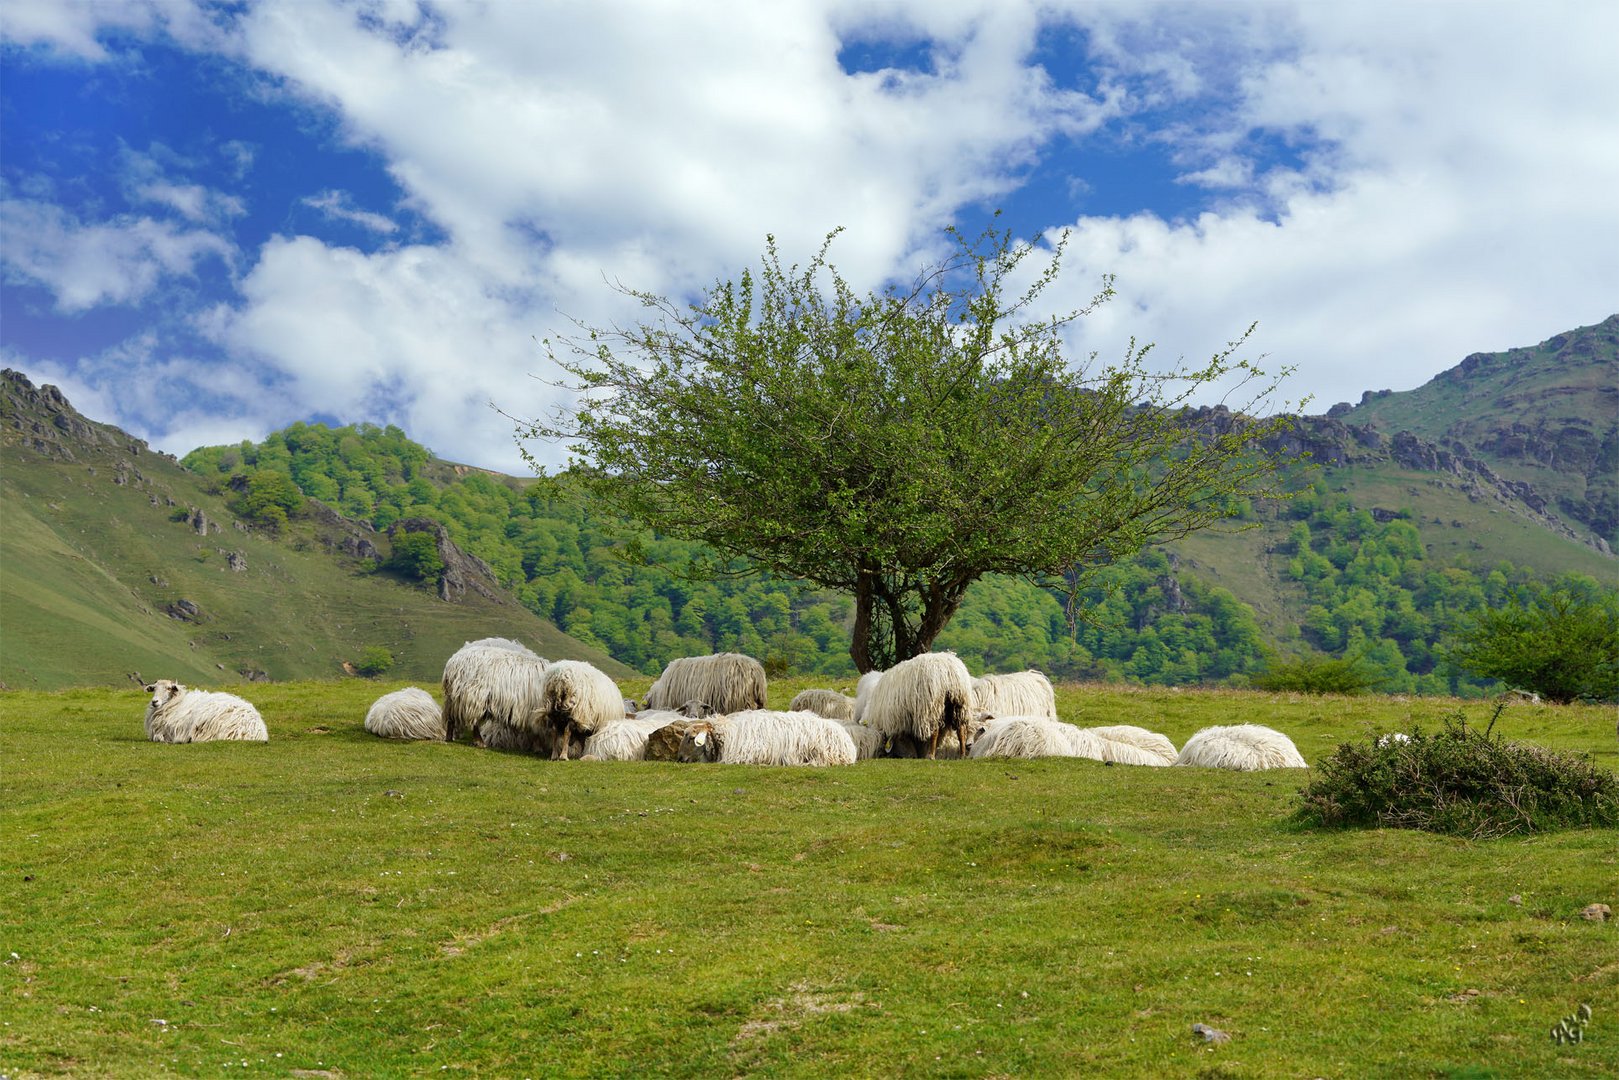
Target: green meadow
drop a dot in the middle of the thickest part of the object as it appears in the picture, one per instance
(333, 905)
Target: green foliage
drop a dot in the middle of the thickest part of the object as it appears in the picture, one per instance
(374, 660)
(415, 555)
(1460, 781)
(1562, 642)
(897, 447)
(1316, 674)
(268, 498)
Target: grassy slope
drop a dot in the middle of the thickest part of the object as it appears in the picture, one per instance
(87, 568)
(332, 902)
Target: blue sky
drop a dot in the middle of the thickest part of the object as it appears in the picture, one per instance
(217, 219)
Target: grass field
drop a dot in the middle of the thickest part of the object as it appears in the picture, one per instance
(332, 905)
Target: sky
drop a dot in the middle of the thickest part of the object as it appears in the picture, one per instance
(217, 219)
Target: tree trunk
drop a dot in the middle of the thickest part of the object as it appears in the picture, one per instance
(882, 635)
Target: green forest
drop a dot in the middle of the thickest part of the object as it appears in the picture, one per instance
(1371, 594)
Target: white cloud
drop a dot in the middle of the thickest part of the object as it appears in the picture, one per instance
(337, 205)
(75, 28)
(86, 265)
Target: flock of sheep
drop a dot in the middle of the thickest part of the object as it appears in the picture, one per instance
(712, 708)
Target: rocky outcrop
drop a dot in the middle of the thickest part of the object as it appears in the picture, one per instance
(462, 572)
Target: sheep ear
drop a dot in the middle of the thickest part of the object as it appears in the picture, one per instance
(701, 739)
(152, 689)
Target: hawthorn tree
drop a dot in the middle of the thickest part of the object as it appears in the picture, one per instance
(1561, 642)
(901, 444)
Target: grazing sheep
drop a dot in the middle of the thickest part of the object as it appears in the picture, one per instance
(490, 687)
(1035, 737)
(576, 698)
(730, 682)
(1026, 693)
(1138, 746)
(862, 695)
(769, 737)
(177, 714)
(1243, 747)
(827, 703)
(625, 740)
(923, 697)
(410, 713)
(868, 741)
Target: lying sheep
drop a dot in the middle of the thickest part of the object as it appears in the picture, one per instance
(1243, 747)
(410, 713)
(769, 737)
(625, 739)
(868, 741)
(490, 687)
(730, 682)
(1129, 745)
(922, 698)
(827, 703)
(1025, 693)
(1035, 737)
(177, 714)
(576, 699)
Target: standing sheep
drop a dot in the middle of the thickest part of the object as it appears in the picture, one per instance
(576, 699)
(730, 682)
(922, 698)
(1243, 747)
(827, 703)
(410, 713)
(862, 694)
(769, 737)
(490, 687)
(1026, 693)
(177, 714)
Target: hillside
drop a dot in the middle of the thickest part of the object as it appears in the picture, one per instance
(117, 564)
(1544, 416)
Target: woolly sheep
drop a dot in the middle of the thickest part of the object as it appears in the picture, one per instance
(576, 698)
(1025, 693)
(1035, 737)
(730, 682)
(827, 703)
(1244, 747)
(770, 737)
(1129, 745)
(625, 739)
(490, 687)
(868, 741)
(177, 714)
(923, 697)
(862, 694)
(410, 713)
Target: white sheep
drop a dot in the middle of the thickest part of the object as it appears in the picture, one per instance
(177, 714)
(410, 713)
(868, 741)
(827, 703)
(769, 737)
(921, 699)
(1034, 737)
(730, 682)
(862, 695)
(625, 739)
(1130, 745)
(1243, 747)
(576, 699)
(1024, 693)
(490, 687)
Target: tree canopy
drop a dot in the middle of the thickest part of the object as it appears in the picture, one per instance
(900, 445)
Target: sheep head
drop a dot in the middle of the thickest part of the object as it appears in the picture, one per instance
(700, 743)
(164, 691)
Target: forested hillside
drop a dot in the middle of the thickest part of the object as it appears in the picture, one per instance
(1364, 585)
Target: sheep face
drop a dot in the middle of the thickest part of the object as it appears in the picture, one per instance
(902, 745)
(700, 743)
(164, 691)
(697, 710)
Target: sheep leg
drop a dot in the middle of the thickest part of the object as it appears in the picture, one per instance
(933, 744)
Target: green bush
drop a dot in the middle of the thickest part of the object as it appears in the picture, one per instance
(1459, 781)
(1561, 642)
(1316, 675)
(415, 555)
(374, 661)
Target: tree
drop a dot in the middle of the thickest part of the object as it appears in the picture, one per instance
(1561, 642)
(415, 555)
(900, 445)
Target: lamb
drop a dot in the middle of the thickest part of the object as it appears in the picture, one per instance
(922, 698)
(769, 737)
(177, 714)
(868, 741)
(1244, 747)
(490, 687)
(410, 713)
(827, 703)
(730, 682)
(1026, 693)
(1035, 737)
(1130, 745)
(576, 698)
(625, 739)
